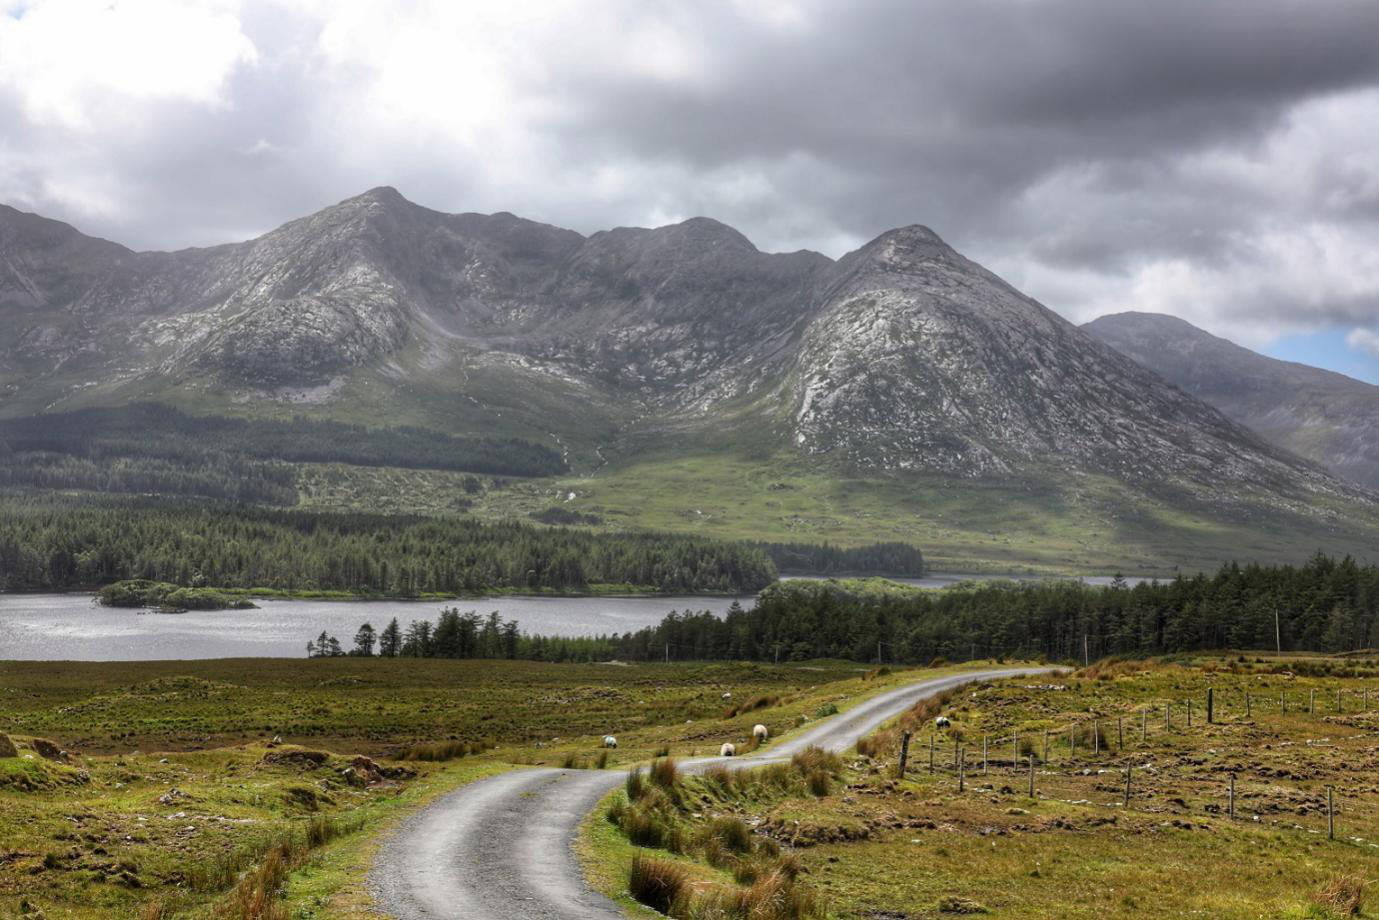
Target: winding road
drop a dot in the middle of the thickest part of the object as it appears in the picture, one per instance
(503, 847)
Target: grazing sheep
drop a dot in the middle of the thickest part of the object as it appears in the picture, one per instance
(727, 696)
(760, 733)
(609, 741)
(727, 750)
(942, 722)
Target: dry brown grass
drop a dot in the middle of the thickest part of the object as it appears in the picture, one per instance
(660, 884)
(1342, 895)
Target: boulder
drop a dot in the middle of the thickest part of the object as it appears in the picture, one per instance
(7, 748)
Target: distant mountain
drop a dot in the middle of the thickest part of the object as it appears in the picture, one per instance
(900, 358)
(1324, 416)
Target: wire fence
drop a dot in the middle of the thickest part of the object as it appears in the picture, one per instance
(1103, 761)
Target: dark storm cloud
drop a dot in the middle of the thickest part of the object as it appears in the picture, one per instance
(1209, 159)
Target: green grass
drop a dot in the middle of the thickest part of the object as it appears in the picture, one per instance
(922, 848)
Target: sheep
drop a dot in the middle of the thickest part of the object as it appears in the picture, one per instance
(942, 722)
(609, 741)
(727, 750)
(760, 733)
(727, 696)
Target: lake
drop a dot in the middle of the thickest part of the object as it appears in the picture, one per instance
(72, 627)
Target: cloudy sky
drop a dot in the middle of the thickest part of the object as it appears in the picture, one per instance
(1218, 161)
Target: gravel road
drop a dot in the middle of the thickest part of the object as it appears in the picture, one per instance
(503, 848)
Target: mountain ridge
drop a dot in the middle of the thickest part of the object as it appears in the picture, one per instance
(1327, 417)
(902, 358)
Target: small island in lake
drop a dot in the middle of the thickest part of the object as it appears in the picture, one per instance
(140, 592)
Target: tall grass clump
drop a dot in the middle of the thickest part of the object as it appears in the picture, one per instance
(635, 785)
(665, 772)
(1342, 895)
(660, 884)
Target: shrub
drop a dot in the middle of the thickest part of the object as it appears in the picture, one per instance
(826, 710)
(658, 883)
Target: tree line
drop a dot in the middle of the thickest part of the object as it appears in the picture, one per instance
(893, 558)
(1324, 605)
(149, 447)
(59, 543)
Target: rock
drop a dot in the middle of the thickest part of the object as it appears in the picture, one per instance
(7, 748)
(299, 757)
(48, 750)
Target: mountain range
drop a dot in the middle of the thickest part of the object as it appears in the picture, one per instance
(900, 368)
(1327, 417)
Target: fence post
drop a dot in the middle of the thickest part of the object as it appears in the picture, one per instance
(1330, 814)
(1127, 785)
(1282, 703)
(1096, 737)
(1366, 699)
(1189, 713)
(1120, 733)
(1311, 701)
(1230, 807)
(1031, 776)
(904, 752)
(1072, 740)
(1144, 726)
(1211, 705)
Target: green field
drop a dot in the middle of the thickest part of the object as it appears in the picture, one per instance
(174, 786)
(935, 844)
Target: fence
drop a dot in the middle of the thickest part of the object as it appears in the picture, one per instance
(1085, 742)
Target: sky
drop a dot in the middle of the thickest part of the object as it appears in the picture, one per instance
(1215, 161)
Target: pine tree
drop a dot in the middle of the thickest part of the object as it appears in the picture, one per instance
(390, 640)
(364, 641)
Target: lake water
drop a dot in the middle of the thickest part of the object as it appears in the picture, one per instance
(72, 627)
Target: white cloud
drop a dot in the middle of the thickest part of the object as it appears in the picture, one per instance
(1366, 340)
(77, 63)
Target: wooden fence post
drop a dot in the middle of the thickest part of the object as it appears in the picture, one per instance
(1189, 713)
(1120, 733)
(1144, 725)
(1096, 737)
(1211, 705)
(1330, 814)
(1031, 776)
(1072, 740)
(1311, 701)
(1014, 750)
(931, 752)
(904, 752)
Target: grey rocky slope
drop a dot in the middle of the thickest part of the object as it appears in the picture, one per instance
(901, 355)
(1328, 417)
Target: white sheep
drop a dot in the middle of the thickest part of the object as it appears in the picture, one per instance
(609, 741)
(727, 750)
(727, 696)
(760, 733)
(942, 722)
